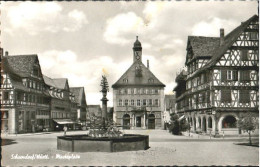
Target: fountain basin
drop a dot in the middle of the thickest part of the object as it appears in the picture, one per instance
(85, 143)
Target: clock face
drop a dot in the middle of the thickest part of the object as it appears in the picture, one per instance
(137, 55)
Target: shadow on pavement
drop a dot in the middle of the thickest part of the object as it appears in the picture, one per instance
(5, 142)
(247, 144)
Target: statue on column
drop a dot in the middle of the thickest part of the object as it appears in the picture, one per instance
(104, 90)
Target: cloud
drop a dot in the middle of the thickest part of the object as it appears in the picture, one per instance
(121, 25)
(211, 26)
(45, 16)
(87, 73)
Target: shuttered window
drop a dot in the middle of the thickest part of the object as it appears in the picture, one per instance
(223, 75)
(253, 35)
(229, 75)
(245, 75)
(226, 96)
(234, 75)
(208, 96)
(244, 55)
(244, 96)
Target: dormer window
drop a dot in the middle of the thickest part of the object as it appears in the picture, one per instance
(125, 80)
(151, 80)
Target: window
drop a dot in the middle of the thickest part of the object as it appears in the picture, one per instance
(253, 35)
(156, 91)
(244, 96)
(151, 80)
(126, 102)
(138, 91)
(6, 96)
(132, 91)
(226, 96)
(245, 75)
(202, 79)
(30, 84)
(132, 102)
(156, 102)
(144, 102)
(150, 103)
(129, 91)
(120, 102)
(244, 55)
(138, 102)
(229, 75)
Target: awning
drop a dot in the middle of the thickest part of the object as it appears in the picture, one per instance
(64, 121)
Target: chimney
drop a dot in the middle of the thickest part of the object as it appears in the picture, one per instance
(148, 64)
(6, 53)
(222, 35)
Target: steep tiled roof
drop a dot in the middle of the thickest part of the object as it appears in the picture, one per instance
(138, 81)
(59, 83)
(79, 94)
(202, 46)
(228, 41)
(22, 64)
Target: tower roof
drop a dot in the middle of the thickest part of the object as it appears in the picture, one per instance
(137, 43)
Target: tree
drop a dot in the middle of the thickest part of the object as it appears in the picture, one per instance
(178, 124)
(248, 123)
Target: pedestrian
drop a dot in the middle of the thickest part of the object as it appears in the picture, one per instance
(223, 134)
(65, 130)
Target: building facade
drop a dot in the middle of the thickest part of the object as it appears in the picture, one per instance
(25, 102)
(222, 79)
(169, 108)
(138, 96)
(81, 104)
(63, 104)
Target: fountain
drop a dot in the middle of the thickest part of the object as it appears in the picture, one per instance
(104, 138)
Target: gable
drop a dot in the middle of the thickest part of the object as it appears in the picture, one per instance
(200, 47)
(232, 39)
(130, 78)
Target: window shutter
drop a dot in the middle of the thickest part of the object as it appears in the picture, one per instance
(223, 75)
(243, 54)
(225, 95)
(234, 75)
(244, 96)
(245, 75)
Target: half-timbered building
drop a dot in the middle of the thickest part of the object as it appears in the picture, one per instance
(221, 80)
(24, 99)
(138, 96)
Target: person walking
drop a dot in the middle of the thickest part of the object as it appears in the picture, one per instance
(65, 130)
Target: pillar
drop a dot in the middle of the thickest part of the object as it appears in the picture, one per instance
(13, 121)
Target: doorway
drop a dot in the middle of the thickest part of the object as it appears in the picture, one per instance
(151, 121)
(126, 121)
(138, 121)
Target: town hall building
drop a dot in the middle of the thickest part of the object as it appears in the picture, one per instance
(138, 96)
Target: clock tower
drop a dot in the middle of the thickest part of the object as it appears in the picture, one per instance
(137, 49)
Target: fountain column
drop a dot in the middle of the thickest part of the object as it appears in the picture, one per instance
(104, 90)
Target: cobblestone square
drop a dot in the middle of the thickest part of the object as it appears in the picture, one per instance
(165, 149)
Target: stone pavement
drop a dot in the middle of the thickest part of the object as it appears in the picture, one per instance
(165, 149)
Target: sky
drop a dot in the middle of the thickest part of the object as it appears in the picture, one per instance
(82, 41)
